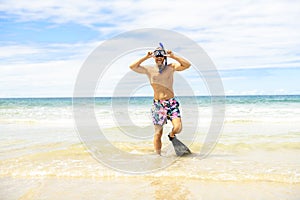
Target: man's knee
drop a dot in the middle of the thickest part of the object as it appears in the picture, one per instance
(177, 128)
(158, 130)
(157, 135)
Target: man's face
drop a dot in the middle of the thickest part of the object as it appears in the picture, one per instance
(159, 60)
(159, 56)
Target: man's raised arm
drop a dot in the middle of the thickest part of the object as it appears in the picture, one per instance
(183, 63)
(136, 66)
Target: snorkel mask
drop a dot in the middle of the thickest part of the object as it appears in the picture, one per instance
(159, 53)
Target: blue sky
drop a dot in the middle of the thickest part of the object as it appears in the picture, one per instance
(255, 45)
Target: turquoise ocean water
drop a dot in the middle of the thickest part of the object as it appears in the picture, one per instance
(259, 141)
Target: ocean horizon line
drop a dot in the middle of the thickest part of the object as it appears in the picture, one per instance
(69, 97)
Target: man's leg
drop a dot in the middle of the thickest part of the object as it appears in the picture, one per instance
(157, 138)
(177, 126)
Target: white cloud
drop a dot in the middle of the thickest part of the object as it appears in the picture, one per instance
(17, 50)
(235, 34)
(54, 78)
(12, 54)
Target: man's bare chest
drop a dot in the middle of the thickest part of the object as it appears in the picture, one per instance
(164, 77)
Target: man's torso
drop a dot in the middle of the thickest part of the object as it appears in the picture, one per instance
(162, 83)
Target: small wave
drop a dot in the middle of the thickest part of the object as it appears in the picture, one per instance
(266, 145)
(74, 161)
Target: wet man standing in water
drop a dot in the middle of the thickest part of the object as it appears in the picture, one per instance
(165, 105)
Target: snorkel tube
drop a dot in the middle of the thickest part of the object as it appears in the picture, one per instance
(165, 57)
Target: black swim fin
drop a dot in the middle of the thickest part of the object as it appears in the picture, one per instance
(179, 147)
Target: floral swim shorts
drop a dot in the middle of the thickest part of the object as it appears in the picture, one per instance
(163, 110)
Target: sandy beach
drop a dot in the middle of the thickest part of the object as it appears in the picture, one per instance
(150, 188)
(256, 157)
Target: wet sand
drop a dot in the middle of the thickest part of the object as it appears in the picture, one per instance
(143, 188)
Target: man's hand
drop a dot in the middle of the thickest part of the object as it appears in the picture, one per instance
(149, 54)
(170, 54)
(183, 63)
(136, 66)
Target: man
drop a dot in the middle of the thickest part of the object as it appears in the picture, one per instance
(165, 106)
